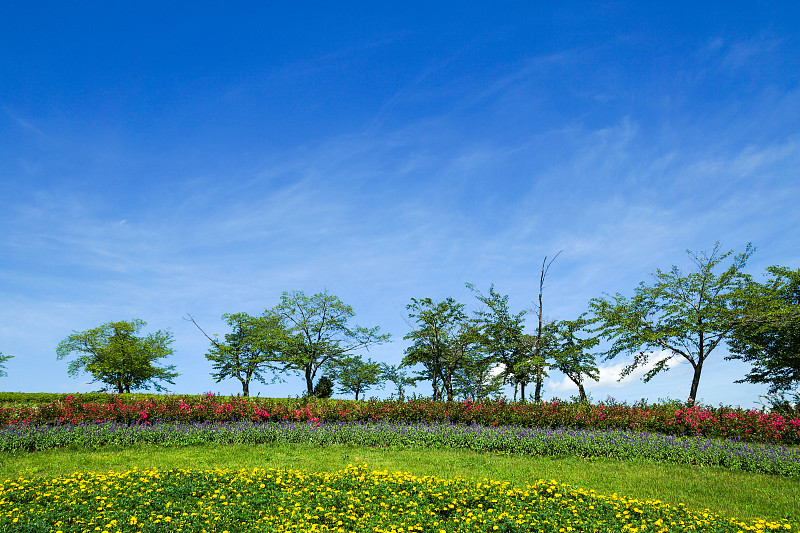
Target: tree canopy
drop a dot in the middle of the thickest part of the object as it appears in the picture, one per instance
(397, 376)
(502, 339)
(771, 341)
(356, 376)
(681, 315)
(323, 388)
(571, 353)
(442, 342)
(319, 333)
(253, 347)
(113, 354)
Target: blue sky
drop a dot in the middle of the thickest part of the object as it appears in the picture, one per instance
(158, 161)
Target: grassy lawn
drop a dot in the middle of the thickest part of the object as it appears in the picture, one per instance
(738, 494)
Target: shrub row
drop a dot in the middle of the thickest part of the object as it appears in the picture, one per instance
(36, 398)
(667, 418)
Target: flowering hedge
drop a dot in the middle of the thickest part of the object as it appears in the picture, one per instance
(667, 418)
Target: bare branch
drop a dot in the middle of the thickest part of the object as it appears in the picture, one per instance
(192, 320)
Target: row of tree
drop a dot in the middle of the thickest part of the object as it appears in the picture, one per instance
(463, 354)
(305, 335)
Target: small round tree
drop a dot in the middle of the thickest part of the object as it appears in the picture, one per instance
(324, 388)
(113, 354)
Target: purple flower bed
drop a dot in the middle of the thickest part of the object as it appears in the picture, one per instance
(604, 443)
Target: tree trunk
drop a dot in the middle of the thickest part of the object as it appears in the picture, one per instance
(698, 367)
(522, 391)
(309, 382)
(695, 382)
(540, 365)
(245, 388)
(538, 352)
(538, 391)
(581, 392)
(437, 395)
(448, 387)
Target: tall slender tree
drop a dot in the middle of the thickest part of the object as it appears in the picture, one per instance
(538, 360)
(440, 341)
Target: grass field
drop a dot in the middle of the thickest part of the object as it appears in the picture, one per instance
(742, 495)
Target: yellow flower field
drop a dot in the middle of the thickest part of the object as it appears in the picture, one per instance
(351, 500)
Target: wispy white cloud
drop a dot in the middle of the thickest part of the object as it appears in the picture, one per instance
(610, 374)
(747, 53)
(22, 123)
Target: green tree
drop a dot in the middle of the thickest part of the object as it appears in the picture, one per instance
(678, 315)
(356, 375)
(3, 359)
(400, 379)
(441, 342)
(473, 374)
(249, 350)
(323, 388)
(502, 338)
(113, 354)
(571, 352)
(536, 359)
(320, 333)
(478, 378)
(771, 343)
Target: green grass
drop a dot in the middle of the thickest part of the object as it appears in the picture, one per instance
(737, 494)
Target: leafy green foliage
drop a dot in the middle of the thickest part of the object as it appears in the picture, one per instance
(400, 379)
(535, 361)
(679, 315)
(249, 350)
(319, 333)
(113, 354)
(444, 343)
(571, 353)
(3, 359)
(478, 378)
(772, 344)
(501, 337)
(324, 388)
(357, 376)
